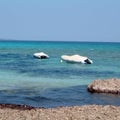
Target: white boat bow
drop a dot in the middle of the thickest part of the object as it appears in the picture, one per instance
(41, 55)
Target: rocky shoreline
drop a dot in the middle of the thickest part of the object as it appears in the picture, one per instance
(86, 112)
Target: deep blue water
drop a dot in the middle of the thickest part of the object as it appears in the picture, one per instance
(50, 83)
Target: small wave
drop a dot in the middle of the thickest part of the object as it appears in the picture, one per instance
(38, 98)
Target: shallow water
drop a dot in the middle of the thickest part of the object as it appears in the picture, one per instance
(50, 83)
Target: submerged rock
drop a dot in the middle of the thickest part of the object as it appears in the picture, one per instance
(105, 86)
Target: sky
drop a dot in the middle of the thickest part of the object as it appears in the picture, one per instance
(60, 20)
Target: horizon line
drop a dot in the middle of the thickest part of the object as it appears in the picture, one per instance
(57, 40)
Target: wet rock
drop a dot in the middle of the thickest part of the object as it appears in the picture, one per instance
(15, 106)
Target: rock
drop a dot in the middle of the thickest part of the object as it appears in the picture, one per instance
(105, 86)
(15, 106)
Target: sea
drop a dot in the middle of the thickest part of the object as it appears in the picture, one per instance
(50, 83)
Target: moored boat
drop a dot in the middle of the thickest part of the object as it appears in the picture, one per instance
(41, 55)
(76, 59)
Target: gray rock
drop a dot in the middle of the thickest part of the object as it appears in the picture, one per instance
(105, 86)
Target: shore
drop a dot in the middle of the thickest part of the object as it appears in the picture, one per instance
(86, 112)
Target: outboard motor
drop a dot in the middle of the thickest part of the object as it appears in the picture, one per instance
(87, 61)
(43, 57)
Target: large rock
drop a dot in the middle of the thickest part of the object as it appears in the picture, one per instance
(105, 86)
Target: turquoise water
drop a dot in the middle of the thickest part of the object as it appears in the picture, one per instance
(50, 83)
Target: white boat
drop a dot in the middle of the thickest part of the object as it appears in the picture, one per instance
(76, 59)
(41, 55)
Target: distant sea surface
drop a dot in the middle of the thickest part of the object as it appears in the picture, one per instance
(50, 83)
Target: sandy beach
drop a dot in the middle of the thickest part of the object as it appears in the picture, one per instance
(86, 112)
